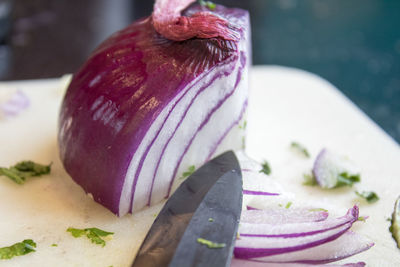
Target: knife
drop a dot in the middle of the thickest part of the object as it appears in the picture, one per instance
(207, 205)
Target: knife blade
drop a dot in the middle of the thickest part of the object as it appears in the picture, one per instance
(206, 205)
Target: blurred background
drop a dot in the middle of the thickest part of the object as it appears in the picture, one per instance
(354, 44)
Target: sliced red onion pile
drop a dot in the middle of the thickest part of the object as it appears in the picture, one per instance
(154, 99)
(279, 235)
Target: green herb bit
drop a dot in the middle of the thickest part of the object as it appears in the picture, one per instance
(395, 222)
(309, 179)
(369, 196)
(243, 126)
(288, 204)
(346, 179)
(35, 169)
(94, 234)
(54, 245)
(210, 219)
(18, 249)
(265, 168)
(210, 5)
(210, 244)
(189, 172)
(13, 174)
(362, 218)
(24, 169)
(300, 148)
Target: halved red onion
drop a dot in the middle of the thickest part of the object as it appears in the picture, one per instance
(143, 108)
(282, 215)
(296, 229)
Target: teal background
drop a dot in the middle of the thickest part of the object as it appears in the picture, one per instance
(354, 44)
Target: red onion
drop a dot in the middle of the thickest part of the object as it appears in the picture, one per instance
(144, 108)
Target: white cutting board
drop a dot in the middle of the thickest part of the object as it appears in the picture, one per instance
(285, 105)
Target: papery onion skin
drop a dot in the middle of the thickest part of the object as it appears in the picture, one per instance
(169, 22)
(123, 87)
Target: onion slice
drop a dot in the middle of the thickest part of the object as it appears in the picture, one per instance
(279, 216)
(259, 193)
(256, 247)
(296, 229)
(247, 263)
(331, 170)
(349, 244)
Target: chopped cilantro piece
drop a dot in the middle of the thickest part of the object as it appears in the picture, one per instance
(189, 172)
(243, 126)
(76, 232)
(345, 178)
(362, 218)
(300, 148)
(18, 249)
(94, 234)
(369, 196)
(24, 169)
(210, 244)
(210, 219)
(54, 245)
(210, 5)
(13, 174)
(265, 168)
(309, 179)
(33, 168)
(288, 204)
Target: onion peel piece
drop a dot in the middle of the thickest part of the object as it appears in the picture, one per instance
(169, 22)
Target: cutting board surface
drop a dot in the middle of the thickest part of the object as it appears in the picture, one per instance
(285, 105)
